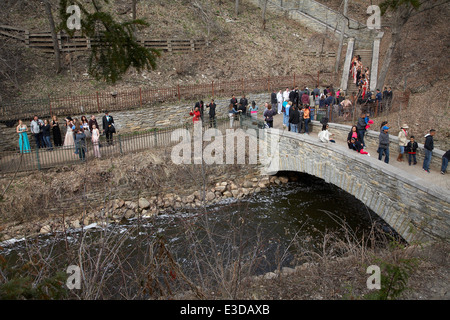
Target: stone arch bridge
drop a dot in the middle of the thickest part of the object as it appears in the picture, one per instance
(415, 208)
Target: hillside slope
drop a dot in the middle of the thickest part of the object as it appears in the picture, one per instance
(240, 49)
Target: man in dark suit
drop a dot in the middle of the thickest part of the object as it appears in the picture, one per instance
(212, 114)
(108, 127)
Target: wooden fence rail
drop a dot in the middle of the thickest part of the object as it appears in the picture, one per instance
(44, 42)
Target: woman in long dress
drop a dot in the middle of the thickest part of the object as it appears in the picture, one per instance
(24, 143)
(57, 141)
(85, 126)
(95, 137)
(69, 140)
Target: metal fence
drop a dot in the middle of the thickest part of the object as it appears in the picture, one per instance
(131, 99)
(45, 158)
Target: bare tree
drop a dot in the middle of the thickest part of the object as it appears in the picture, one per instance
(264, 10)
(51, 21)
(236, 8)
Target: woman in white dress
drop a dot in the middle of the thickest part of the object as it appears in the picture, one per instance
(95, 137)
(68, 140)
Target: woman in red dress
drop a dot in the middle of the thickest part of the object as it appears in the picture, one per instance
(195, 114)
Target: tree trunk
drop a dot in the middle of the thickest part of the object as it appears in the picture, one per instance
(264, 9)
(48, 9)
(236, 8)
(134, 9)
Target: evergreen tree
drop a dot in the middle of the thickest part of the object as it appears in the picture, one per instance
(114, 48)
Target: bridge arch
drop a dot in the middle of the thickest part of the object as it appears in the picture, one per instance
(417, 210)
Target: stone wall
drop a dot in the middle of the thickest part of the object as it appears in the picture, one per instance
(417, 210)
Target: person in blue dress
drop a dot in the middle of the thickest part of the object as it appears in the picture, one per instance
(24, 143)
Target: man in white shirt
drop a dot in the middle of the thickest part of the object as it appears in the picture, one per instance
(286, 94)
(36, 129)
(279, 101)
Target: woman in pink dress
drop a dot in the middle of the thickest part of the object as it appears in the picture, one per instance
(95, 137)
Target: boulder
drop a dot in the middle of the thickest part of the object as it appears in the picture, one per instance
(284, 179)
(45, 229)
(144, 203)
(227, 194)
(247, 184)
(220, 188)
(131, 205)
(129, 214)
(210, 196)
(76, 224)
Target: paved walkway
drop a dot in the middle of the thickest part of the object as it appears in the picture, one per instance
(434, 178)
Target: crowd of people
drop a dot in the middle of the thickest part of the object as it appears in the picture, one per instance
(407, 145)
(77, 131)
(296, 106)
(361, 78)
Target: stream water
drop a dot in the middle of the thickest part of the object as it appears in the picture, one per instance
(270, 228)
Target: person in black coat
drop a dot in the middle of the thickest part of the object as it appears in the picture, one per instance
(234, 102)
(244, 103)
(108, 127)
(273, 98)
(294, 119)
(445, 160)
(212, 114)
(56, 132)
(428, 148)
(293, 96)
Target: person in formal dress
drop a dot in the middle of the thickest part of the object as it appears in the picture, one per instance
(69, 140)
(56, 131)
(95, 136)
(24, 143)
(85, 125)
(108, 127)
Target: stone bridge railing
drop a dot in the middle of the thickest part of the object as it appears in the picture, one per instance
(371, 139)
(416, 209)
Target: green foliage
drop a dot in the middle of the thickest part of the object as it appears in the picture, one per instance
(393, 5)
(23, 282)
(114, 48)
(394, 275)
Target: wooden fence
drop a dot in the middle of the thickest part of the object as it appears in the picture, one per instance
(44, 42)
